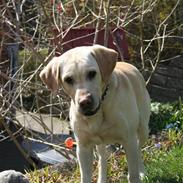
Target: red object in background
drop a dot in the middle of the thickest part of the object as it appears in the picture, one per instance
(85, 37)
(69, 143)
(59, 7)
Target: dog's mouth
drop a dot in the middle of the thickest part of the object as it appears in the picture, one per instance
(91, 112)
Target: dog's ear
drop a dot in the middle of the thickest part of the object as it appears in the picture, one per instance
(106, 59)
(50, 75)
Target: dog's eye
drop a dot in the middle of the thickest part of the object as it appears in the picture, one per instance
(69, 80)
(91, 75)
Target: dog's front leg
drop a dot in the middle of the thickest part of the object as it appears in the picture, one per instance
(85, 158)
(101, 149)
(132, 153)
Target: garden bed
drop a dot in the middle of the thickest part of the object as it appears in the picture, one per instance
(162, 154)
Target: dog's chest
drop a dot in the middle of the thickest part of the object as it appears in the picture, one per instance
(100, 132)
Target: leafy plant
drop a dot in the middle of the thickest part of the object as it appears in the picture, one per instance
(166, 116)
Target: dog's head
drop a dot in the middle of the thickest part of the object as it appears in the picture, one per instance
(84, 73)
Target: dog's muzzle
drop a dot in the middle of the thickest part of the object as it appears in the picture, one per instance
(86, 104)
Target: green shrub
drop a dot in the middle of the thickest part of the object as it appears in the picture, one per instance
(165, 116)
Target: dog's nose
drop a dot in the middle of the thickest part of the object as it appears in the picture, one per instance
(86, 102)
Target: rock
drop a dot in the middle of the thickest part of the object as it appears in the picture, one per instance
(12, 176)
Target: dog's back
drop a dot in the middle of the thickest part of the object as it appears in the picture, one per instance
(134, 80)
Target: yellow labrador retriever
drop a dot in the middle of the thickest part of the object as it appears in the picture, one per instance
(109, 104)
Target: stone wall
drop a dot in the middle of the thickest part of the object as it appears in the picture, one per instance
(166, 84)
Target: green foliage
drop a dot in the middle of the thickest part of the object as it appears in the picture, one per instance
(165, 167)
(163, 115)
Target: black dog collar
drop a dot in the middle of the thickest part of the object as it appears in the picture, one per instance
(104, 93)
